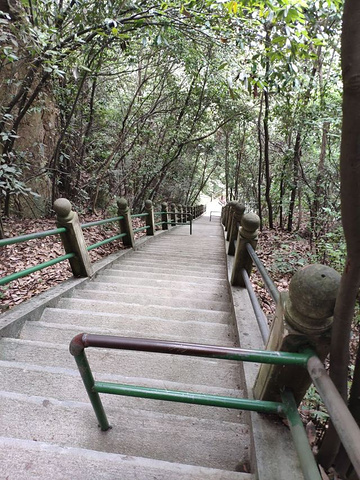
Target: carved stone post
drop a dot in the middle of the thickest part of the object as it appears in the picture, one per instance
(230, 219)
(149, 209)
(180, 213)
(73, 239)
(126, 223)
(164, 216)
(173, 215)
(248, 233)
(238, 212)
(303, 319)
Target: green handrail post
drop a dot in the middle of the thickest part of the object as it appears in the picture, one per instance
(125, 223)
(173, 215)
(73, 239)
(247, 233)
(77, 349)
(238, 212)
(302, 446)
(164, 216)
(302, 321)
(149, 209)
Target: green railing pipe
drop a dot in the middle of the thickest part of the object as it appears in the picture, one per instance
(301, 442)
(101, 222)
(31, 236)
(104, 242)
(271, 287)
(137, 215)
(141, 229)
(196, 350)
(28, 271)
(189, 397)
(344, 423)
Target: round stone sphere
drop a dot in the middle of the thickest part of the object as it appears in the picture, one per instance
(250, 222)
(62, 207)
(122, 203)
(313, 291)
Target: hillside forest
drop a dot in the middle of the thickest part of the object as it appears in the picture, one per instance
(251, 100)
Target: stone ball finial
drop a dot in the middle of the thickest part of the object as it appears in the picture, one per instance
(62, 207)
(148, 204)
(312, 295)
(122, 203)
(250, 222)
(239, 209)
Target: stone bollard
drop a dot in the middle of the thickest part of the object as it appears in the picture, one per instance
(73, 239)
(125, 223)
(229, 219)
(303, 319)
(164, 216)
(238, 212)
(180, 213)
(173, 215)
(149, 209)
(248, 233)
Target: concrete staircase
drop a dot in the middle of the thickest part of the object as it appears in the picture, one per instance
(173, 288)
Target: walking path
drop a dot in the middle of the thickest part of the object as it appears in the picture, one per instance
(172, 288)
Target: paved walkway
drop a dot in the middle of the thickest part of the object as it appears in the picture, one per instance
(174, 287)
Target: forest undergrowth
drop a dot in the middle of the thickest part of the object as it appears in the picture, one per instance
(281, 252)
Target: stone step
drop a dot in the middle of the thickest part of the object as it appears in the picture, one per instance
(155, 257)
(186, 270)
(65, 384)
(145, 277)
(173, 368)
(212, 293)
(202, 288)
(171, 438)
(125, 268)
(28, 459)
(130, 326)
(63, 333)
(157, 311)
(146, 297)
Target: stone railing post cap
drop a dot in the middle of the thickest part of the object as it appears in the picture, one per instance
(122, 203)
(239, 208)
(62, 207)
(250, 222)
(148, 203)
(313, 291)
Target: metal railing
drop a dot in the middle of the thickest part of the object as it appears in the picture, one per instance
(286, 408)
(242, 230)
(75, 247)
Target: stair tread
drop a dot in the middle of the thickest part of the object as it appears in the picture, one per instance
(28, 459)
(65, 384)
(176, 368)
(204, 442)
(211, 293)
(64, 327)
(159, 311)
(96, 290)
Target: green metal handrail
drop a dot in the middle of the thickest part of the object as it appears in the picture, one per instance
(104, 242)
(40, 266)
(101, 222)
(141, 229)
(137, 215)
(286, 408)
(31, 236)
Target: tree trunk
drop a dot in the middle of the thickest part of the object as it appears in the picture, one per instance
(350, 209)
(297, 155)
(267, 160)
(260, 163)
